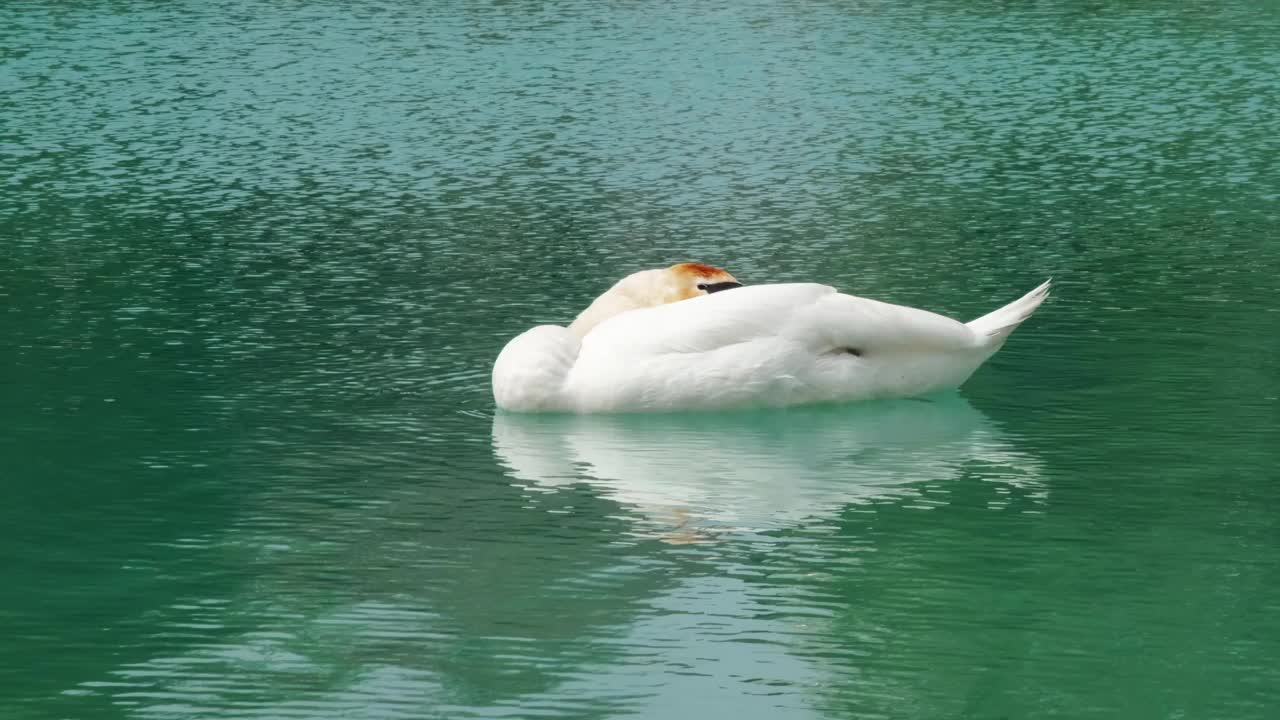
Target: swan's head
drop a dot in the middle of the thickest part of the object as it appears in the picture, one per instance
(650, 288)
(689, 280)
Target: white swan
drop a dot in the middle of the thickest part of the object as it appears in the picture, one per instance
(669, 340)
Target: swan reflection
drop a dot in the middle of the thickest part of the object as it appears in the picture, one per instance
(766, 469)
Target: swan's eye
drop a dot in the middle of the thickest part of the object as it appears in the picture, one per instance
(702, 286)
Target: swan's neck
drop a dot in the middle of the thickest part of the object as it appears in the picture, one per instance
(647, 288)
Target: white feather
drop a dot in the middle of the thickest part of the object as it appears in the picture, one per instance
(762, 345)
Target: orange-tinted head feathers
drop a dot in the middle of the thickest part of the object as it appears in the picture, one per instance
(698, 276)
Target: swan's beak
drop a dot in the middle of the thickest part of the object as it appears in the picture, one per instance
(717, 287)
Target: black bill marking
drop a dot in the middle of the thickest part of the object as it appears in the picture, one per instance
(717, 287)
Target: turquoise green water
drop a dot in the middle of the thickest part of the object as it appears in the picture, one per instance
(256, 259)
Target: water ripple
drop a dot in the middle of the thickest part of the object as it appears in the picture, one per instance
(257, 260)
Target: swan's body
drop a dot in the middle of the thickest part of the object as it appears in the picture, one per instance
(763, 345)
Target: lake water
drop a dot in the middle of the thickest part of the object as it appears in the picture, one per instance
(256, 259)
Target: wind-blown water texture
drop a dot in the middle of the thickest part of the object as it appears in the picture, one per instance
(256, 260)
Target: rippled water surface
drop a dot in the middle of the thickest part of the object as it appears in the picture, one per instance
(256, 259)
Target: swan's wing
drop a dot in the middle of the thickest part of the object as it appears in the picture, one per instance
(815, 317)
(704, 323)
(710, 351)
(764, 345)
(855, 323)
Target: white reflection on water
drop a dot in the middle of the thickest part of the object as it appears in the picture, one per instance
(756, 471)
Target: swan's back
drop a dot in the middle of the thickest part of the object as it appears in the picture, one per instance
(768, 345)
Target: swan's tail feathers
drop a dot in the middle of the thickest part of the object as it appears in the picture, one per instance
(995, 326)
